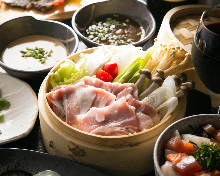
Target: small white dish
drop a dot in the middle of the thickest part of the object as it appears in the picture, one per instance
(20, 118)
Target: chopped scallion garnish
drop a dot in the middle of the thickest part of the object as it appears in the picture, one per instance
(1, 117)
(4, 104)
(208, 155)
(37, 53)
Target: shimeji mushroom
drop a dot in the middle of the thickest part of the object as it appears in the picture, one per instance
(184, 88)
(165, 98)
(144, 73)
(179, 79)
(155, 83)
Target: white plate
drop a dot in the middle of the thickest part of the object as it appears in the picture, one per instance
(21, 116)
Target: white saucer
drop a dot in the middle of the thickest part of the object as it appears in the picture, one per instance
(20, 118)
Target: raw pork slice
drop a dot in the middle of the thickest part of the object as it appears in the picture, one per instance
(102, 108)
(72, 100)
(117, 118)
(146, 114)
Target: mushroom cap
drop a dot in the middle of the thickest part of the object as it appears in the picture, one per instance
(146, 72)
(160, 73)
(157, 80)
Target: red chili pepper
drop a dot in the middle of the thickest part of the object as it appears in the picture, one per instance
(58, 2)
(104, 76)
(112, 69)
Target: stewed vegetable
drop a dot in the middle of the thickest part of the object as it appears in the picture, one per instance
(193, 155)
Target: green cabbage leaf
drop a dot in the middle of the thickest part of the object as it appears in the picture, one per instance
(68, 73)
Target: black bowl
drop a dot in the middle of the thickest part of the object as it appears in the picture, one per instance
(183, 126)
(27, 25)
(135, 9)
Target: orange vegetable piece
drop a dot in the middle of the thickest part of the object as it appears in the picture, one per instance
(175, 157)
(58, 2)
(188, 147)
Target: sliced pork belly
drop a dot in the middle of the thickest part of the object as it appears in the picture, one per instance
(145, 121)
(117, 89)
(114, 88)
(72, 100)
(146, 114)
(102, 108)
(119, 118)
(128, 91)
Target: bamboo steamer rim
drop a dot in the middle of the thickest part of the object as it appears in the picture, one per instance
(171, 15)
(45, 88)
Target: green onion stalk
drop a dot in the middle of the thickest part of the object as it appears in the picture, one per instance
(131, 73)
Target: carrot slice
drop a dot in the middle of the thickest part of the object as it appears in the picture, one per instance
(58, 2)
(188, 147)
(175, 157)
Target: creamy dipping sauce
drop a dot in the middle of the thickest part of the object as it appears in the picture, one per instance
(12, 55)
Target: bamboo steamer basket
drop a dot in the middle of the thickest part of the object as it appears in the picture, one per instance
(129, 155)
(178, 27)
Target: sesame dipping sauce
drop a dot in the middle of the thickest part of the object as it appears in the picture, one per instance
(114, 29)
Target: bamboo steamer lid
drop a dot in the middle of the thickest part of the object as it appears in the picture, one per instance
(178, 27)
(130, 155)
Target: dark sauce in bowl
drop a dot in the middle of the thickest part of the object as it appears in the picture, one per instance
(114, 29)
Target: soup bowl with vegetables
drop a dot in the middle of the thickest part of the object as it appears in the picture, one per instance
(106, 106)
(34, 46)
(190, 146)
